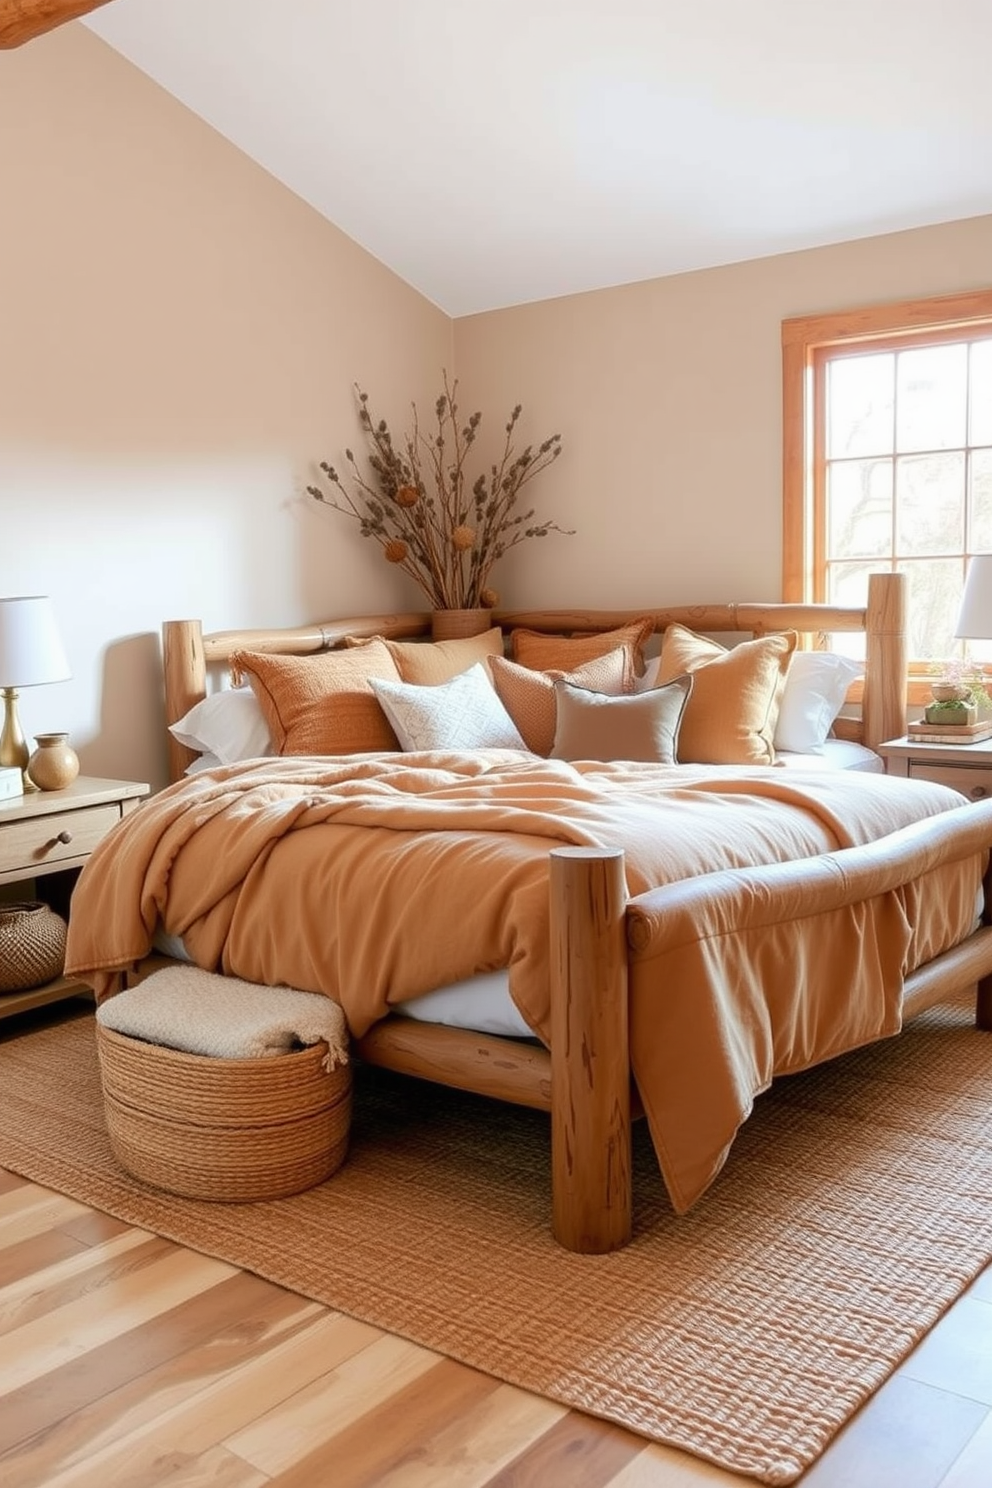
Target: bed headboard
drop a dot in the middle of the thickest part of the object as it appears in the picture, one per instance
(188, 652)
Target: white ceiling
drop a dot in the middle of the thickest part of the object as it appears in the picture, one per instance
(493, 152)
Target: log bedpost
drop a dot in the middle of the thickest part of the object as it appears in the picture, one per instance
(185, 682)
(590, 1064)
(884, 708)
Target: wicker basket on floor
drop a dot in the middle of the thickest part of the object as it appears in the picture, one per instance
(231, 1130)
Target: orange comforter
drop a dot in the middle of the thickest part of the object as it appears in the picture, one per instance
(377, 878)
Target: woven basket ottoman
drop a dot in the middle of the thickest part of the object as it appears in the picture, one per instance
(204, 1126)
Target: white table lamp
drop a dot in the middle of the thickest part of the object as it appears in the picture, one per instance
(975, 614)
(30, 654)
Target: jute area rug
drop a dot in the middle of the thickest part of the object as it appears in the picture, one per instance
(856, 1206)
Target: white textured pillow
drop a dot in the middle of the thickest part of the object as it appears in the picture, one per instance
(227, 724)
(463, 713)
(815, 688)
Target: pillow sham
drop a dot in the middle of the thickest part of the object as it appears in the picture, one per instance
(731, 715)
(529, 696)
(815, 688)
(228, 724)
(462, 713)
(638, 726)
(425, 663)
(544, 653)
(322, 704)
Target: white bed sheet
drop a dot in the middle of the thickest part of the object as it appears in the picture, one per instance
(838, 754)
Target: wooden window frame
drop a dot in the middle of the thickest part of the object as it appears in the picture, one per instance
(804, 339)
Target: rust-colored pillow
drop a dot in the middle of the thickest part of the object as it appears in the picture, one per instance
(545, 653)
(731, 714)
(425, 663)
(529, 696)
(322, 704)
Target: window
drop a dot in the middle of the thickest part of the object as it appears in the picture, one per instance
(888, 457)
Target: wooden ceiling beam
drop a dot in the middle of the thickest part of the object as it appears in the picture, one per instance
(23, 20)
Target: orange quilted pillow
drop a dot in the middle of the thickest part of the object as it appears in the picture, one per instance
(532, 648)
(530, 699)
(322, 704)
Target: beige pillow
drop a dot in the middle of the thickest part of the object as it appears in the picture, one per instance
(426, 663)
(641, 726)
(322, 704)
(531, 648)
(731, 716)
(529, 696)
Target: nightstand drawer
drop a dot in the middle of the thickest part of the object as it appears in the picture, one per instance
(973, 782)
(38, 843)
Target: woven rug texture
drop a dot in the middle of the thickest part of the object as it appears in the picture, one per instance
(856, 1206)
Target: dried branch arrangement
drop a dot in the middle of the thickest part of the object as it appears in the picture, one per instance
(419, 508)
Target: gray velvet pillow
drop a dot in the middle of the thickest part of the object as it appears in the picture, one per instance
(644, 726)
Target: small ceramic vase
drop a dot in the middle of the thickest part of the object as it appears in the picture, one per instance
(54, 764)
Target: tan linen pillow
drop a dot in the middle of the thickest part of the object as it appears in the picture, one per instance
(426, 663)
(639, 726)
(529, 696)
(322, 704)
(731, 716)
(531, 648)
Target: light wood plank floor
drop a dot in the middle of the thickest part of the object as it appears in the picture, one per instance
(127, 1361)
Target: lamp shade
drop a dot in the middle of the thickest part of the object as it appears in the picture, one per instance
(975, 614)
(30, 646)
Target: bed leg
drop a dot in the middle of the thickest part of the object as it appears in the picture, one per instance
(983, 1005)
(590, 1063)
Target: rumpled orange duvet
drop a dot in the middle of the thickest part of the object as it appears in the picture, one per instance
(374, 879)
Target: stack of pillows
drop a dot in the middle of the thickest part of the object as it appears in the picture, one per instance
(590, 697)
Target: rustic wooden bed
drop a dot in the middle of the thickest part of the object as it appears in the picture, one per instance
(584, 1081)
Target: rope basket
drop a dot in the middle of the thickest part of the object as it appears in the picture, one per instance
(229, 1130)
(32, 945)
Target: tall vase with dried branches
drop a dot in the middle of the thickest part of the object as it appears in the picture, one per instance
(418, 506)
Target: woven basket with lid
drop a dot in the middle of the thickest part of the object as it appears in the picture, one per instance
(32, 945)
(231, 1130)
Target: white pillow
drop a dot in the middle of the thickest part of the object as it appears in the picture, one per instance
(815, 688)
(462, 713)
(228, 724)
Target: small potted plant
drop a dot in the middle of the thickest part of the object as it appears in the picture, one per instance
(958, 693)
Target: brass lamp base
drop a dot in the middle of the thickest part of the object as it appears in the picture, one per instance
(13, 745)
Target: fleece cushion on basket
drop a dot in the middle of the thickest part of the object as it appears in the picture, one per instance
(184, 1007)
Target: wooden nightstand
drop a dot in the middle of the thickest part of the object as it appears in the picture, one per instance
(964, 767)
(48, 835)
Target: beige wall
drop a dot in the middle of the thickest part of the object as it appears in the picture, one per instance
(179, 335)
(668, 398)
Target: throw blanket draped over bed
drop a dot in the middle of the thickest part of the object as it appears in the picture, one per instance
(375, 879)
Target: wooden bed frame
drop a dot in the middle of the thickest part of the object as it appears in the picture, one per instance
(584, 1081)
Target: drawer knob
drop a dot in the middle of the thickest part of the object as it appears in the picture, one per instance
(64, 837)
(978, 792)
